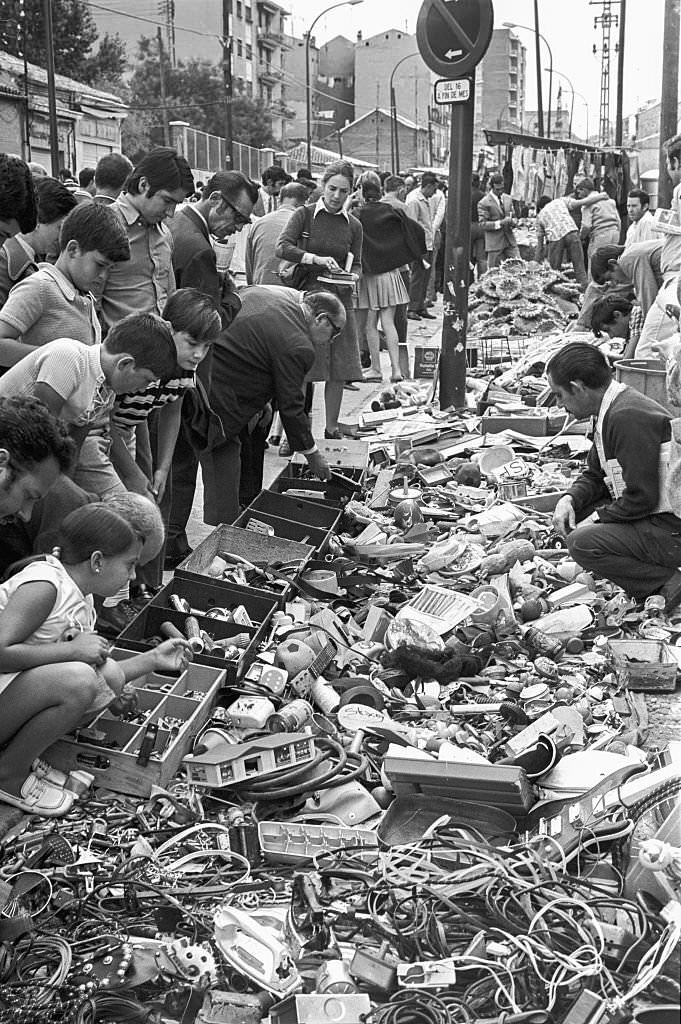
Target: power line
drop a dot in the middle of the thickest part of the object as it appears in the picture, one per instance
(150, 21)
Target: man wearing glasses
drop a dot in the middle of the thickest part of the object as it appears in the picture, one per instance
(265, 355)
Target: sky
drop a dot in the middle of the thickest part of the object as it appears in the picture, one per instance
(569, 30)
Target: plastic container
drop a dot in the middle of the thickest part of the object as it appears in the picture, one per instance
(647, 376)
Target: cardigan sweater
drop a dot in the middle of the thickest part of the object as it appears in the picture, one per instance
(634, 428)
(331, 234)
(391, 238)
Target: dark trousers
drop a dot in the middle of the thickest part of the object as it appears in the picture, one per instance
(568, 249)
(639, 556)
(418, 285)
(183, 485)
(221, 471)
(401, 322)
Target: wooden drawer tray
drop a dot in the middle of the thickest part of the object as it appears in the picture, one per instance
(257, 548)
(203, 596)
(188, 698)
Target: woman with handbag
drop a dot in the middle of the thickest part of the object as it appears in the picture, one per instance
(386, 248)
(325, 239)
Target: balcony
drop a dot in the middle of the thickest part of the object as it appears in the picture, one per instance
(279, 109)
(269, 5)
(269, 37)
(269, 73)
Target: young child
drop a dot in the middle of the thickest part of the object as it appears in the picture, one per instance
(56, 302)
(78, 384)
(54, 670)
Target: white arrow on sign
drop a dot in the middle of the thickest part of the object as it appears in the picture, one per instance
(451, 54)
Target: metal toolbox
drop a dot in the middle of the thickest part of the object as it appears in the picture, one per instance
(203, 596)
(644, 664)
(292, 518)
(333, 493)
(257, 548)
(109, 748)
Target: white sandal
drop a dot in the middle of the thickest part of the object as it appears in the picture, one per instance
(38, 796)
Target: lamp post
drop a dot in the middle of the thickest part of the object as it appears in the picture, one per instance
(540, 35)
(308, 89)
(394, 141)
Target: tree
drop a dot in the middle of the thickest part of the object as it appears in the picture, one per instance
(74, 36)
(195, 92)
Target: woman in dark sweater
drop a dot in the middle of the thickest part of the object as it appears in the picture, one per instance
(381, 288)
(325, 238)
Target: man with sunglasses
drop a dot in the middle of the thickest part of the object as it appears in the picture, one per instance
(265, 355)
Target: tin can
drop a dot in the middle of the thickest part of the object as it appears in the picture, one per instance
(510, 489)
(654, 606)
(542, 643)
(292, 718)
(193, 633)
(179, 604)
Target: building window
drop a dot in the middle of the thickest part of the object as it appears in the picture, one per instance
(249, 51)
(239, 10)
(249, 15)
(239, 48)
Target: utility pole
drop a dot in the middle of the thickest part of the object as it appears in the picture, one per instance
(620, 74)
(537, 57)
(670, 93)
(227, 79)
(51, 89)
(606, 20)
(162, 74)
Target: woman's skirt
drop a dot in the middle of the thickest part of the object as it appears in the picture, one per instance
(380, 291)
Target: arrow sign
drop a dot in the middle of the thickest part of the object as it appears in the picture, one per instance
(453, 35)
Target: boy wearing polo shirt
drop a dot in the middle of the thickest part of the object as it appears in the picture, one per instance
(78, 383)
(56, 302)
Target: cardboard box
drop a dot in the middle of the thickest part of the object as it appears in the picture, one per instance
(540, 425)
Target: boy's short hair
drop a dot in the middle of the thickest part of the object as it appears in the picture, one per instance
(148, 339)
(641, 195)
(603, 311)
(601, 260)
(17, 195)
(98, 227)
(53, 200)
(271, 175)
(163, 168)
(112, 171)
(194, 312)
(85, 176)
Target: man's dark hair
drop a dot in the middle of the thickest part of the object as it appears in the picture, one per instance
(96, 227)
(496, 179)
(428, 178)
(294, 190)
(53, 200)
(544, 201)
(31, 434)
(85, 176)
(17, 196)
(600, 261)
(603, 311)
(271, 175)
(580, 361)
(112, 171)
(148, 339)
(323, 302)
(163, 168)
(638, 193)
(672, 148)
(393, 183)
(231, 184)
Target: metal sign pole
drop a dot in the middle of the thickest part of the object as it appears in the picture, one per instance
(457, 254)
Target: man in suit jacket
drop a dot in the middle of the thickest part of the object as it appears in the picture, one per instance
(226, 206)
(273, 180)
(495, 211)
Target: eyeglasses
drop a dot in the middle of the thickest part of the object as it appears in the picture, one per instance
(238, 215)
(336, 329)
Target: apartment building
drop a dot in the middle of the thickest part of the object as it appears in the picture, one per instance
(500, 85)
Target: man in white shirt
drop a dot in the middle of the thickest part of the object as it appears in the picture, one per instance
(438, 206)
(419, 209)
(641, 221)
(273, 180)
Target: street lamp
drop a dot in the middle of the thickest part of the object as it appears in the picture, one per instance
(394, 141)
(514, 24)
(572, 105)
(308, 90)
(572, 100)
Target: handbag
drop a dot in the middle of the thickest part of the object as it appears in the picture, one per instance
(295, 275)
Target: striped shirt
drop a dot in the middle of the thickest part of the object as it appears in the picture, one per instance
(135, 407)
(46, 306)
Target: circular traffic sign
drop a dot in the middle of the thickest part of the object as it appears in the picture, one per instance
(453, 35)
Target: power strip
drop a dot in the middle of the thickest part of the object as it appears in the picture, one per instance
(230, 764)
